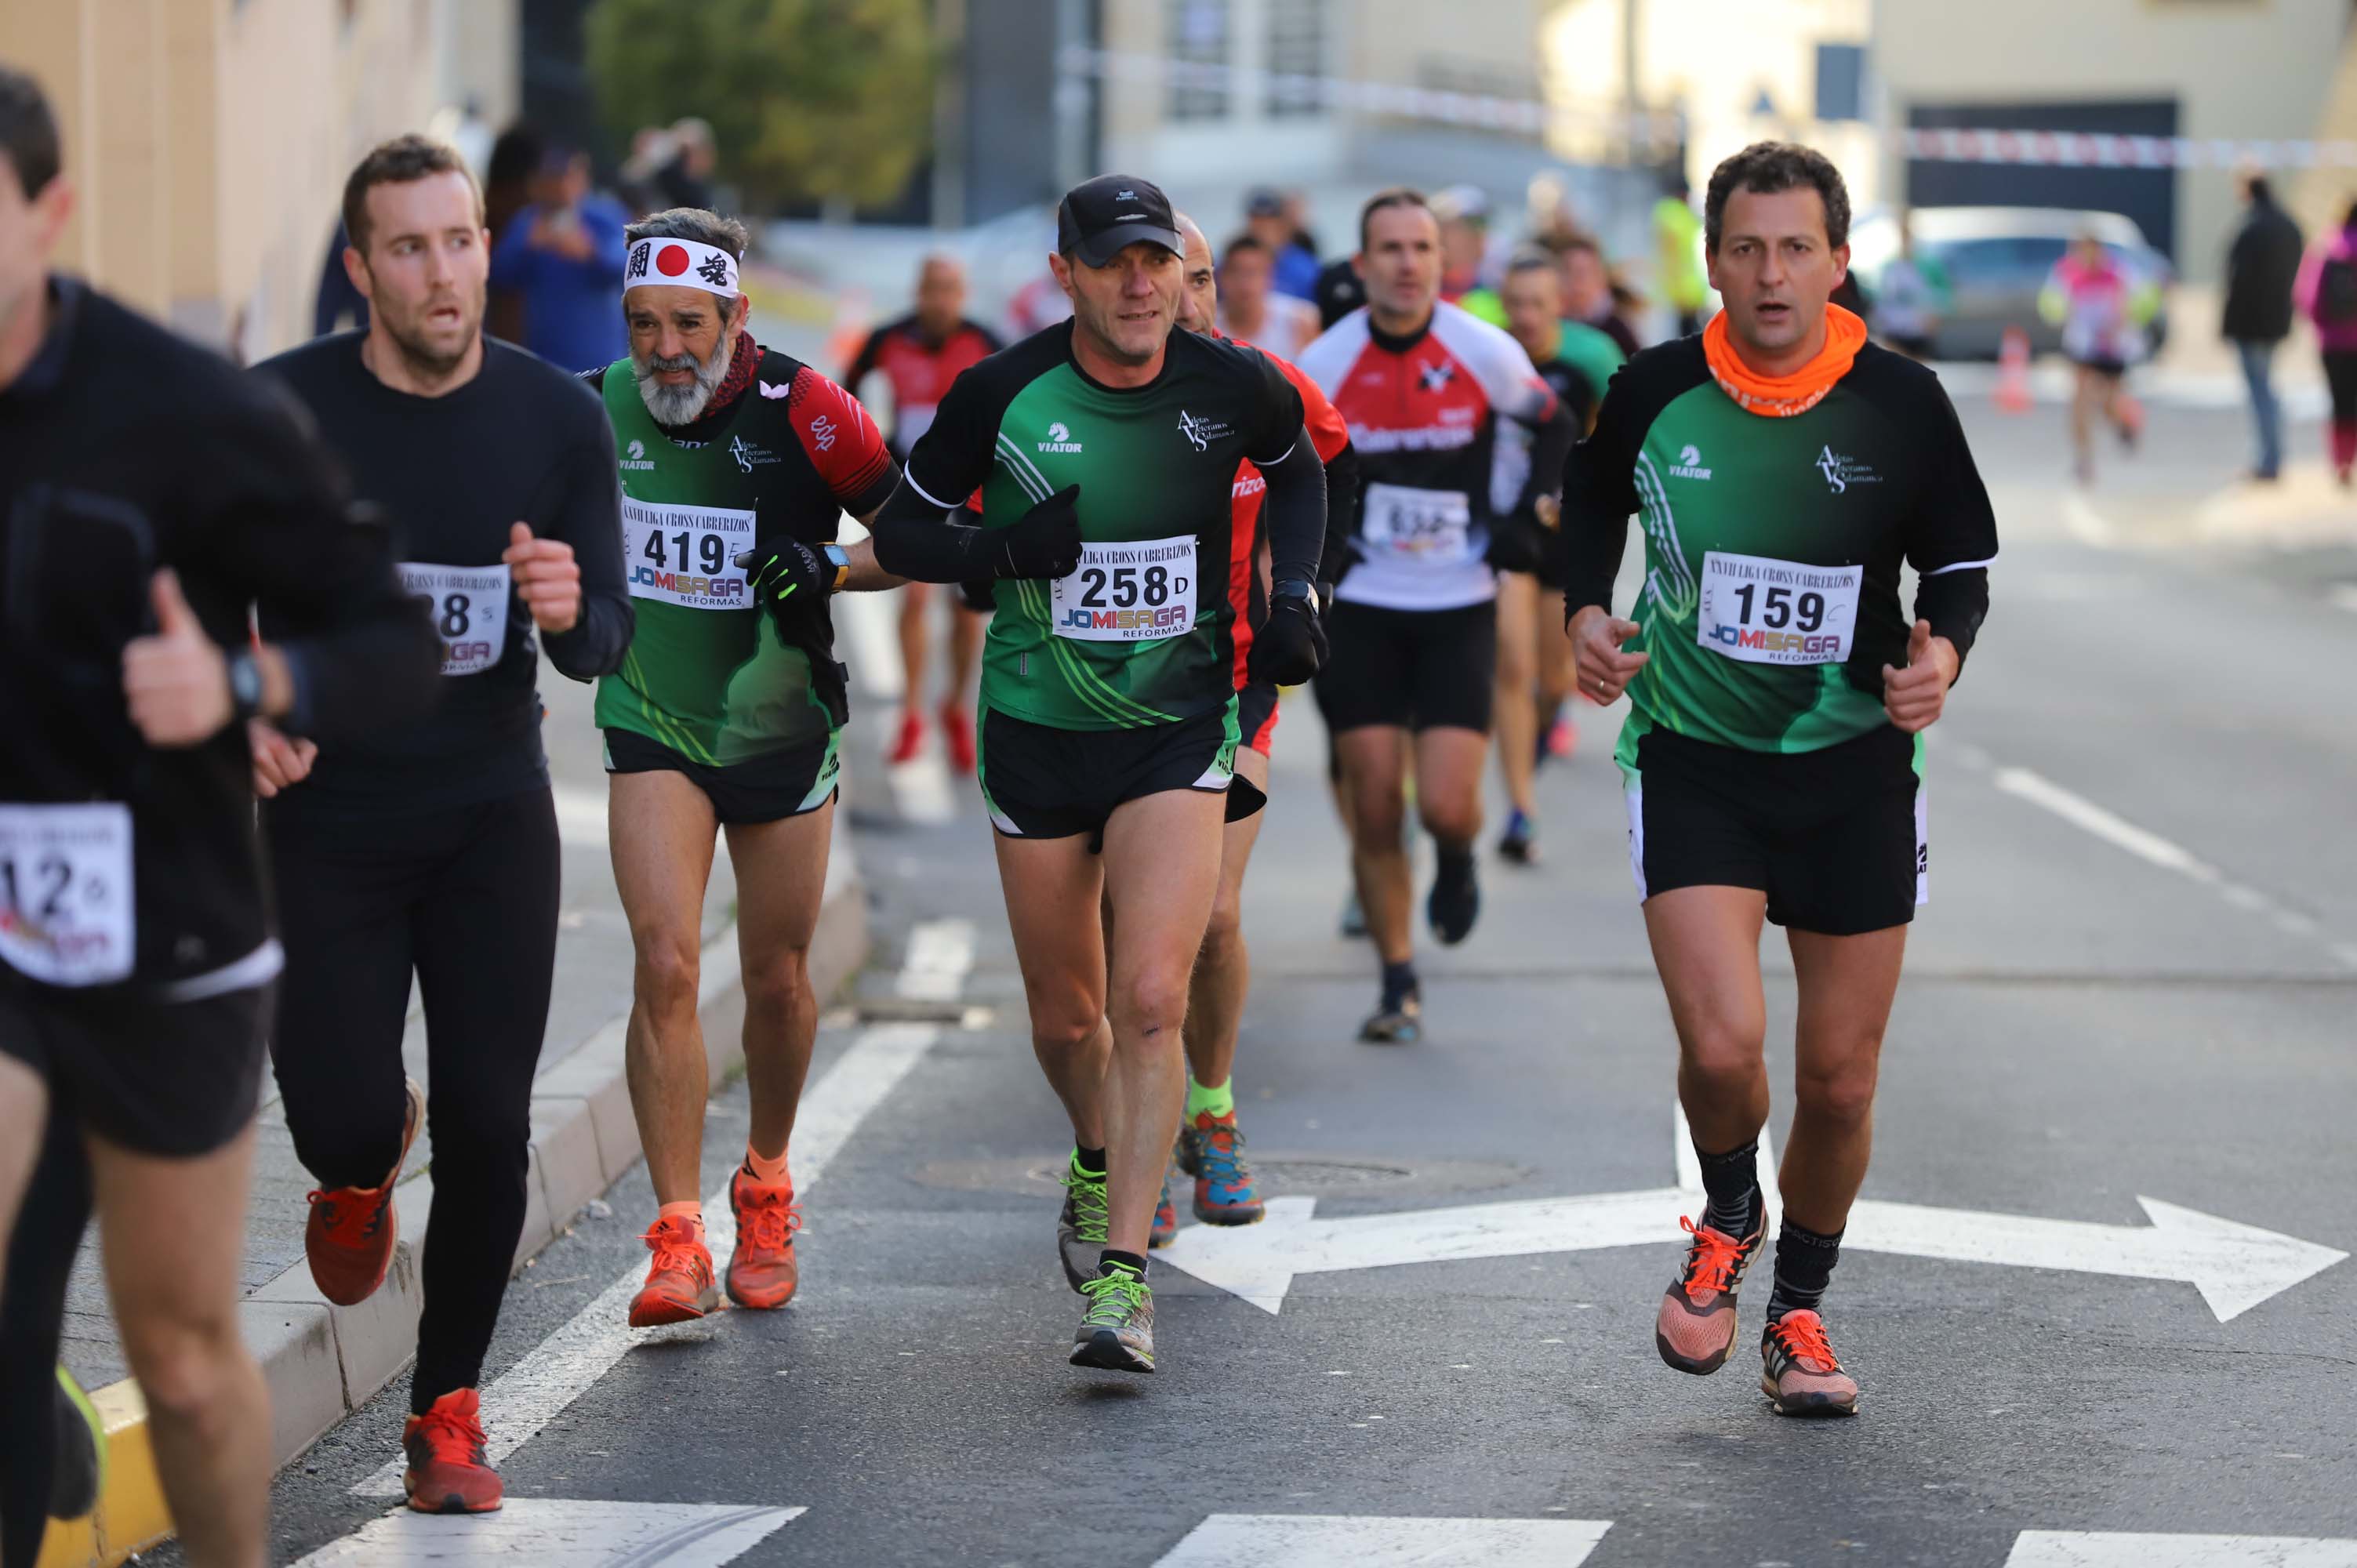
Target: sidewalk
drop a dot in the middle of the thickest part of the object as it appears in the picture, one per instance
(322, 1361)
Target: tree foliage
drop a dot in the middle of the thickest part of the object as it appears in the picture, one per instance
(809, 99)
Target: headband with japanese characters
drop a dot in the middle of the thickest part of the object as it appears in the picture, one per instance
(689, 263)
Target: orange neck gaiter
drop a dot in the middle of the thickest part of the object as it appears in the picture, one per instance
(1782, 397)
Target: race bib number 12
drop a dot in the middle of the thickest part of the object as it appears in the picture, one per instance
(65, 893)
(470, 606)
(1764, 611)
(686, 555)
(1139, 592)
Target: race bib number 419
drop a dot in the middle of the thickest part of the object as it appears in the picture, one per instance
(469, 606)
(1777, 612)
(686, 555)
(65, 892)
(1139, 592)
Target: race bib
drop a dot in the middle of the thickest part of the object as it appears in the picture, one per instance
(470, 611)
(1139, 592)
(1777, 612)
(686, 555)
(65, 893)
(1418, 527)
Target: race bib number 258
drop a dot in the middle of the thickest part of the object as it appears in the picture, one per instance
(1139, 592)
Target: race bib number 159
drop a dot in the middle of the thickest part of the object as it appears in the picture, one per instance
(1763, 611)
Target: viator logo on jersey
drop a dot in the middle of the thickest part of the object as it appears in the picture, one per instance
(635, 456)
(1842, 472)
(1059, 439)
(1689, 465)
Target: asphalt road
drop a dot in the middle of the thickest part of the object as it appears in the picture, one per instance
(2134, 980)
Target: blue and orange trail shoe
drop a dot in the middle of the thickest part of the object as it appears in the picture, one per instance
(1212, 1151)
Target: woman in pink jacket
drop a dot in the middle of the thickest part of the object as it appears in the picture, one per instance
(2326, 291)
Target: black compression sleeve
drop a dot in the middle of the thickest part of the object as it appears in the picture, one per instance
(1341, 508)
(590, 520)
(922, 540)
(1599, 493)
(1955, 603)
(1551, 442)
(1296, 513)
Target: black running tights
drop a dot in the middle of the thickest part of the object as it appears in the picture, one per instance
(467, 897)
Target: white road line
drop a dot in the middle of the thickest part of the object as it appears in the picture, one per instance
(2155, 850)
(922, 791)
(2087, 525)
(562, 1367)
(1368, 1540)
(553, 1530)
(940, 954)
(2111, 1549)
(870, 626)
(2345, 597)
(1689, 1162)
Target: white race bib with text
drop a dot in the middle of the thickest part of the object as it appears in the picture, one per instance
(1418, 527)
(470, 611)
(1139, 592)
(65, 893)
(686, 555)
(1777, 612)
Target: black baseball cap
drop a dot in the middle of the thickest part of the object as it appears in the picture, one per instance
(1097, 218)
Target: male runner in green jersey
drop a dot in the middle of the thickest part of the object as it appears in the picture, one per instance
(1784, 468)
(1105, 449)
(737, 463)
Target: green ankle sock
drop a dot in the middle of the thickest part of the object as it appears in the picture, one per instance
(1220, 1102)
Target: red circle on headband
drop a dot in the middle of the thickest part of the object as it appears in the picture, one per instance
(672, 261)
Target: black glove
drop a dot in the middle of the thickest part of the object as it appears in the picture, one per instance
(1517, 543)
(1043, 542)
(1290, 646)
(786, 578)
(980, 596)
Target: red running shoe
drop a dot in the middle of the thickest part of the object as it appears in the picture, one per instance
(761, 1270)
(1695, 1326)
(957, 731)
(447, 1470)
(679, 1285)
(911, 740)
(1798, 1372)
(350, 1235)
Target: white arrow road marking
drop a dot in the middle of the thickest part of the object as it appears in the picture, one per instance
(2235, 1266)
(550, 1529)
(2105, 1549)
(561, 1368)
(1369, 1540)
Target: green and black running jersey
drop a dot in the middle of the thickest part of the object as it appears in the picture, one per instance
(1140, 634)
(1773, 545)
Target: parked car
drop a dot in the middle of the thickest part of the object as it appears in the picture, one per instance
(1997, 259)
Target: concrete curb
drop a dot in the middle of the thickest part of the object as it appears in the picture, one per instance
(322, 1361)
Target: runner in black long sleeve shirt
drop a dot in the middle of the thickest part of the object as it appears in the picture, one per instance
(431, 847)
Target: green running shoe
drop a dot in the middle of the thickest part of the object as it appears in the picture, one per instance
(1080, 1228)
(1117, 1333)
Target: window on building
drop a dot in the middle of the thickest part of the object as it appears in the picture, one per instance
(1199, 52)
(1296, 47)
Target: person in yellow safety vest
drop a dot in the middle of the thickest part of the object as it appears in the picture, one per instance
(1677, 247)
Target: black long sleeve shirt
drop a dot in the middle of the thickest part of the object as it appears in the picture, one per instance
(522, 442)
(124, 449)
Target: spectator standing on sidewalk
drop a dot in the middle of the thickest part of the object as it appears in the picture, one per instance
(2327, 293)
(2261, 264)
(564, 254)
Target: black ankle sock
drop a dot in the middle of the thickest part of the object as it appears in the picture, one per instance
(1732, 1180)
(1088, 1161)
(1454, 863)
(1399, 979)
(1130, 1261)
(1804, 1266)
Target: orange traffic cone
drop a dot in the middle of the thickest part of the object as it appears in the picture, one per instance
(2013, 372)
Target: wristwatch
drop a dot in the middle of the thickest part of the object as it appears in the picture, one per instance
(244, 685)
(841, 560)
(1304, 590)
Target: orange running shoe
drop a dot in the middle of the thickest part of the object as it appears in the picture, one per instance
(350, 1233)
(1695, 1326)
(762, 1269)
(1798, 1372)
(911, 738)
(679, 1287)
(447, 1470)
(957, 733)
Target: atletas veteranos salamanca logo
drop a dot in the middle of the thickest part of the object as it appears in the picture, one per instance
(1059, 439)
(1689, 465)
(1842, 472)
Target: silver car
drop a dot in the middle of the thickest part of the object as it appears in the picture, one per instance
(1997, 259)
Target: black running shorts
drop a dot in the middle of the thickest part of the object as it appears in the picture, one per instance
(1836, 838)
(1040, 782)
(1416, 670)
(786, 783)
(171, 1078)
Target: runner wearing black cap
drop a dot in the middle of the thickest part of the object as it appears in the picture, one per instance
(1105, 449)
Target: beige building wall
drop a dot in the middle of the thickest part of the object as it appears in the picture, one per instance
(209, 139)
(2241, 70)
